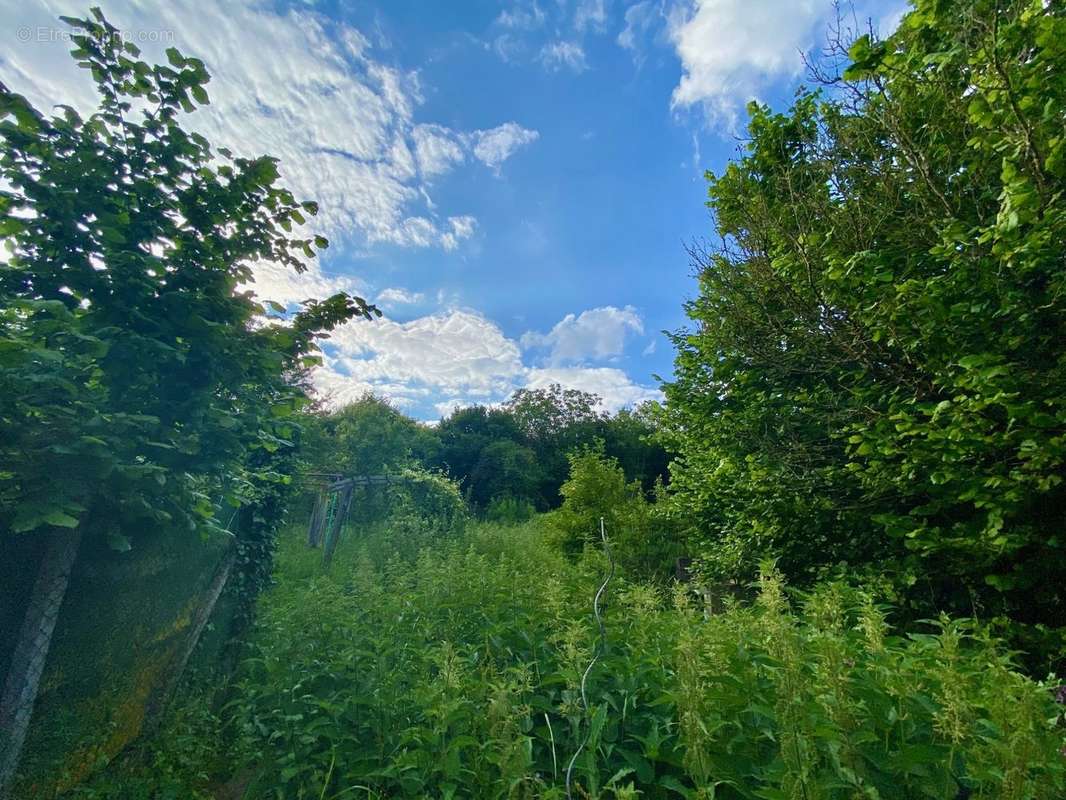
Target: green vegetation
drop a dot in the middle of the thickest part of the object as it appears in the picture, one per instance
(140, 392)
(508, 457)
(838, 546)
(424, 665)
(132, 394)
(875, 376)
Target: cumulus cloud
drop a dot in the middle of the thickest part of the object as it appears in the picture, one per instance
(599, 333)
(612, 385)
(493, 147)
(732, 49)
(560, 55)
(342, 123)
(449, 354)
(453, 358)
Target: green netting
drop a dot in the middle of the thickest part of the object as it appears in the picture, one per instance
(122, 627)
(20, 558)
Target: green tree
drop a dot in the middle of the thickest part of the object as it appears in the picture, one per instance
(876, 371)
(136, 386)
(632, 437)
(464, 436)
(504, 468)
(367, 437)
(643, 542)
(554, 422)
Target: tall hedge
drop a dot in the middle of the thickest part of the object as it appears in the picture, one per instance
(875, 371)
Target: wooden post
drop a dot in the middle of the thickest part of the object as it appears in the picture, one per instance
(31, 650)
(343, 503)
(318, 519)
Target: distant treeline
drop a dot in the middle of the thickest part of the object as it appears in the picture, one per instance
(515, 453)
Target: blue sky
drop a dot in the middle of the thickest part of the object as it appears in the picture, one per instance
(513, 182)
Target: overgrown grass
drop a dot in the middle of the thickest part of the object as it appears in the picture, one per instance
(450, 667)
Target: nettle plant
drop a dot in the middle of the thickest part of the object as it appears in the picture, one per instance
(134, 373)
(453, 668)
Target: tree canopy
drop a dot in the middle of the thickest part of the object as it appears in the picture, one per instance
(136, 376)
(875, 372)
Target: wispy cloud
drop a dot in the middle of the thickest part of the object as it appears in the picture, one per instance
(437, 150)
(640, 19)
(590, 14)
(564, 55)
(396, 296)
(522, 16)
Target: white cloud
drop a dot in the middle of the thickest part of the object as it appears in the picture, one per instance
(283, 285)
(599, 333)
(640, 18)
(521, 17)
(557, 55)
(493, 147)
(446, 407)
(461, 228)
(436, 149)
(396, 296)
(436, 363)
(590, 14)
(613, 385)
(342, 123)
(507, 47)
(731, 49)
(451, 354)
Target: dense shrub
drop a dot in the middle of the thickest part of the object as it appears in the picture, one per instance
(875, 369)
(509, 510)
(643, 540)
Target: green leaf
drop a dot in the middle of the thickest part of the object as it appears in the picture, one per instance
(119, 543)
(60, 519)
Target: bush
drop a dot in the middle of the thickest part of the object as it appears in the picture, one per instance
(875, 372)
(641, 539)
(509, 510)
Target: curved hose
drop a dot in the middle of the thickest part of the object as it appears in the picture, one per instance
(601, 645)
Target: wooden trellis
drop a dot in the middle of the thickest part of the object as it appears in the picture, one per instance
(331, 508)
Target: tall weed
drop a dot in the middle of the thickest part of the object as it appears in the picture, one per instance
(449, 666)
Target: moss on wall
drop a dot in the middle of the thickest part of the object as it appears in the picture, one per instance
(121, 630)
